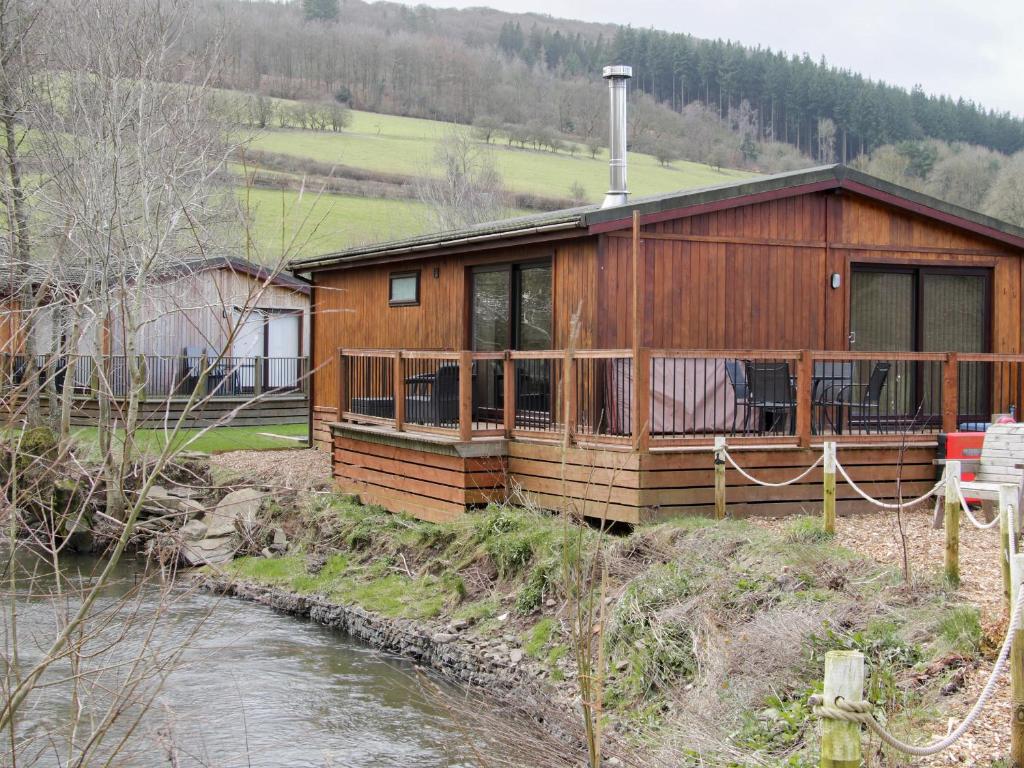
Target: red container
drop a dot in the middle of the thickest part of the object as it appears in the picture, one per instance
(965, 446)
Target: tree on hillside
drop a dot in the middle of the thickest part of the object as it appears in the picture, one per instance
(463, 187)
(1006, 197)
(320, 10)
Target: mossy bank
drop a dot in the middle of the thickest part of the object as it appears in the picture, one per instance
(714, 632)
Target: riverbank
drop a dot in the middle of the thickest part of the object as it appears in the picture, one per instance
(714, 632)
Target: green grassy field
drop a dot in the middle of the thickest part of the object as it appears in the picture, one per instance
(287, 223)
(259, 438)
(406, 145)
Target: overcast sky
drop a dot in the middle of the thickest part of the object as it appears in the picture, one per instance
(958, 47)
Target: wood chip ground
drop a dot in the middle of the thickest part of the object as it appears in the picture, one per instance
(876, 536)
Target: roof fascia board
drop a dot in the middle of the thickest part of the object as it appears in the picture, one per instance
(716, 205)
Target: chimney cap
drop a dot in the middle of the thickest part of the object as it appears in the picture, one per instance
(617, 71)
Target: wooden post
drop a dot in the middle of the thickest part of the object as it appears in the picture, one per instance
(720, 502)
(840, 739)
(950, 393)
(465, 396)
(204, 364)
(399, 376)
(569, 392)
(804, 375)
(642, 401)
(952, 523)
(257, 376)
(1007, 507)
(1017, 699)
(342, 383)
(828, 509)
(509, 399)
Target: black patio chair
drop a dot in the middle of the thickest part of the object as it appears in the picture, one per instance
(863, 401)
(438, 407)
(831, 380)
(735, 371)
(770, 388)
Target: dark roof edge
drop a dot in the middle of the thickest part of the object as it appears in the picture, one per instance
(831, 176)
(399, 248)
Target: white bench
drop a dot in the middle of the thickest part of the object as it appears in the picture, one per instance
(1000, 463)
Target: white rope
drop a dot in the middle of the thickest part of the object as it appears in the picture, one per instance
(967, 511)
(883, 504)
(858, 712)
(753, 479)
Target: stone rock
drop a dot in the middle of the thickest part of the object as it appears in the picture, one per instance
(443, 637)
(459, 624)
(211, 550)
(242, 505)
(267, 553)
(515, 656)
(550, 603)
(184, 492)
(193, 530)
(280, 539)
(191, 509)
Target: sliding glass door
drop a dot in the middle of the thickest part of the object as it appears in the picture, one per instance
(511, 309)
(921, 309)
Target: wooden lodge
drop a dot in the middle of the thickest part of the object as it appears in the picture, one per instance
(454, 369)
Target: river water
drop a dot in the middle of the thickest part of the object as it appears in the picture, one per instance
(242, 685)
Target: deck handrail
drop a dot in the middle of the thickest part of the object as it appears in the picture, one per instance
(217, 377)
(945, 388)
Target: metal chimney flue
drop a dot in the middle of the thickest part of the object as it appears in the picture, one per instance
(617, 77)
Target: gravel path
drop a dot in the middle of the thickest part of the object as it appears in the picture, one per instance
(876, 535)
(299, 469)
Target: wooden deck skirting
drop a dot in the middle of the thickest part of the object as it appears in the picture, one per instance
(437, 478)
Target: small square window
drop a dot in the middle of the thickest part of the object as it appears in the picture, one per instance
(405, 289)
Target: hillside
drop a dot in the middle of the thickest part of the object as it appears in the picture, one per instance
(376, 159)
(460, 65)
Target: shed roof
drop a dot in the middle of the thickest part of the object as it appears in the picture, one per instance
(593, 218)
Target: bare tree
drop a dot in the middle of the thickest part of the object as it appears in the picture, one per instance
(465, 187)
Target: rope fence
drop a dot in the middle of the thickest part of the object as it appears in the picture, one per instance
(841, 706)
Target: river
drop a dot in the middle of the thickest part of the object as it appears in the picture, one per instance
(243, 686)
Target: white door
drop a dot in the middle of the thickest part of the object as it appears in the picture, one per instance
(283, 351)
(247, 347)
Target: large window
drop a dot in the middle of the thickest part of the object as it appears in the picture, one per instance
(924, 309)
(512, 307)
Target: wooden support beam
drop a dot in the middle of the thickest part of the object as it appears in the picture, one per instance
(342, 383)
(509, 399)
(466, 396)
(828, 509)
(840, 739)
(720, 500)
(1008, 494)
(257, 376)
(952, 523)
(804, 376)
(569, 393)
(642, 401)
(950, 393)
(399, 376)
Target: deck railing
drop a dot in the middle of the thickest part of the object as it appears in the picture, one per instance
(165, 376)
(671, 397)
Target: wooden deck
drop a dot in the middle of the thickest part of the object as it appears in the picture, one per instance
(437, 478)
(641, 447)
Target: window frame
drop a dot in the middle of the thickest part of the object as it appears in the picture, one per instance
(413, 302)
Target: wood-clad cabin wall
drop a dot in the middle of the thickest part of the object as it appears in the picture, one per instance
(758, 276)
(351, 305)
(196, 310)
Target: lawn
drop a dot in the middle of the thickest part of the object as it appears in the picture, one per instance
(406, 145)
(217, 440)
(299, 224)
